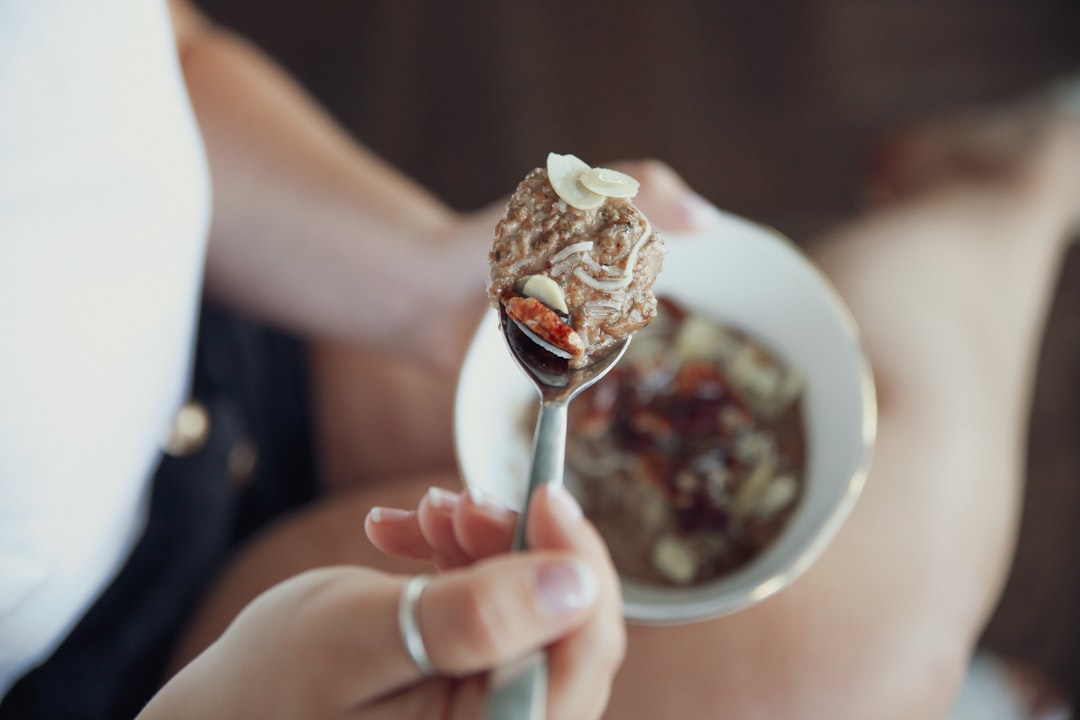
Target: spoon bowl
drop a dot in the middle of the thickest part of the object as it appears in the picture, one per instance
(552, 376)
(557, 384)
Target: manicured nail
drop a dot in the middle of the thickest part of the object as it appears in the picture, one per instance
(387, 515)
(563, 502)
(698, 211)
(441, 499)
(487, 501)
(567, 586)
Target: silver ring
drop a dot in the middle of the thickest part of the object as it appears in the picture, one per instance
(409, 623)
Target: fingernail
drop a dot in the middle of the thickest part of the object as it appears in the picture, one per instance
(564, 503)
(486, 501)
(442, 499)
(387, 515)
(698, 211)
(567, 586)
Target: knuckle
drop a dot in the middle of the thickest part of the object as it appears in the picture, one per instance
(484, 625)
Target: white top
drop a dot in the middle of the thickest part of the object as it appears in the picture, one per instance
(104, 210)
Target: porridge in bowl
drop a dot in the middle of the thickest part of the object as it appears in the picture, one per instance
(690, 455)
(751, 278)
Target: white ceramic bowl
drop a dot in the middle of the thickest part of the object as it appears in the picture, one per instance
(752, 277)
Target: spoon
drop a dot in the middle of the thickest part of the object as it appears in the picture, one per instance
(519, 690)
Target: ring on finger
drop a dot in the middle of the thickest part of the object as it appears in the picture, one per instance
(409, 623)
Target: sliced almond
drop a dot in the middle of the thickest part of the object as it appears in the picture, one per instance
(564, 173)
(674, 560)
(755, 373)
(546, 291)
(699, 338)
(777, 495)
(746, 497)
(611, 183)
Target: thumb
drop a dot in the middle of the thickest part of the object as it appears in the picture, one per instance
(493, 612)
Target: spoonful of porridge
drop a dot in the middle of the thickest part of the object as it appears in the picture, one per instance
(572, 270)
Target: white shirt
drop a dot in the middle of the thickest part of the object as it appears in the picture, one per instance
(104, 210)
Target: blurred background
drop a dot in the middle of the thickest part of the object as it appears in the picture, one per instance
(768, 108)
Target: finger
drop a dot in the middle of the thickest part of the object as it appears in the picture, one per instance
(500, 609)
(483, 525)
(666, 199)
(436, 518)
(397, 532)
(581, 666)
(471, 620)
(449, 699)
(464, 632)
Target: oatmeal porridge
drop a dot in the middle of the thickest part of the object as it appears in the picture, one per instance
(574, 261)
(690, 455)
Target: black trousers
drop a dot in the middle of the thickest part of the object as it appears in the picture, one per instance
(253, 383)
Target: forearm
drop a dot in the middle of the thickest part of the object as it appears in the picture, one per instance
(310, 231)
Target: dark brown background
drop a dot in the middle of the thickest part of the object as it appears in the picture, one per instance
(768, 108)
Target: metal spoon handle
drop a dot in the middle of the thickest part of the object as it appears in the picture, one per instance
(519, 691)
(548, 459)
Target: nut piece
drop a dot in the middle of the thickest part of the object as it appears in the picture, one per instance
(610, 183)
(546, 291)
(547, 327)
(778, 495)
(674, 560)
(564, 173)
(700, 338)
(747, 496)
